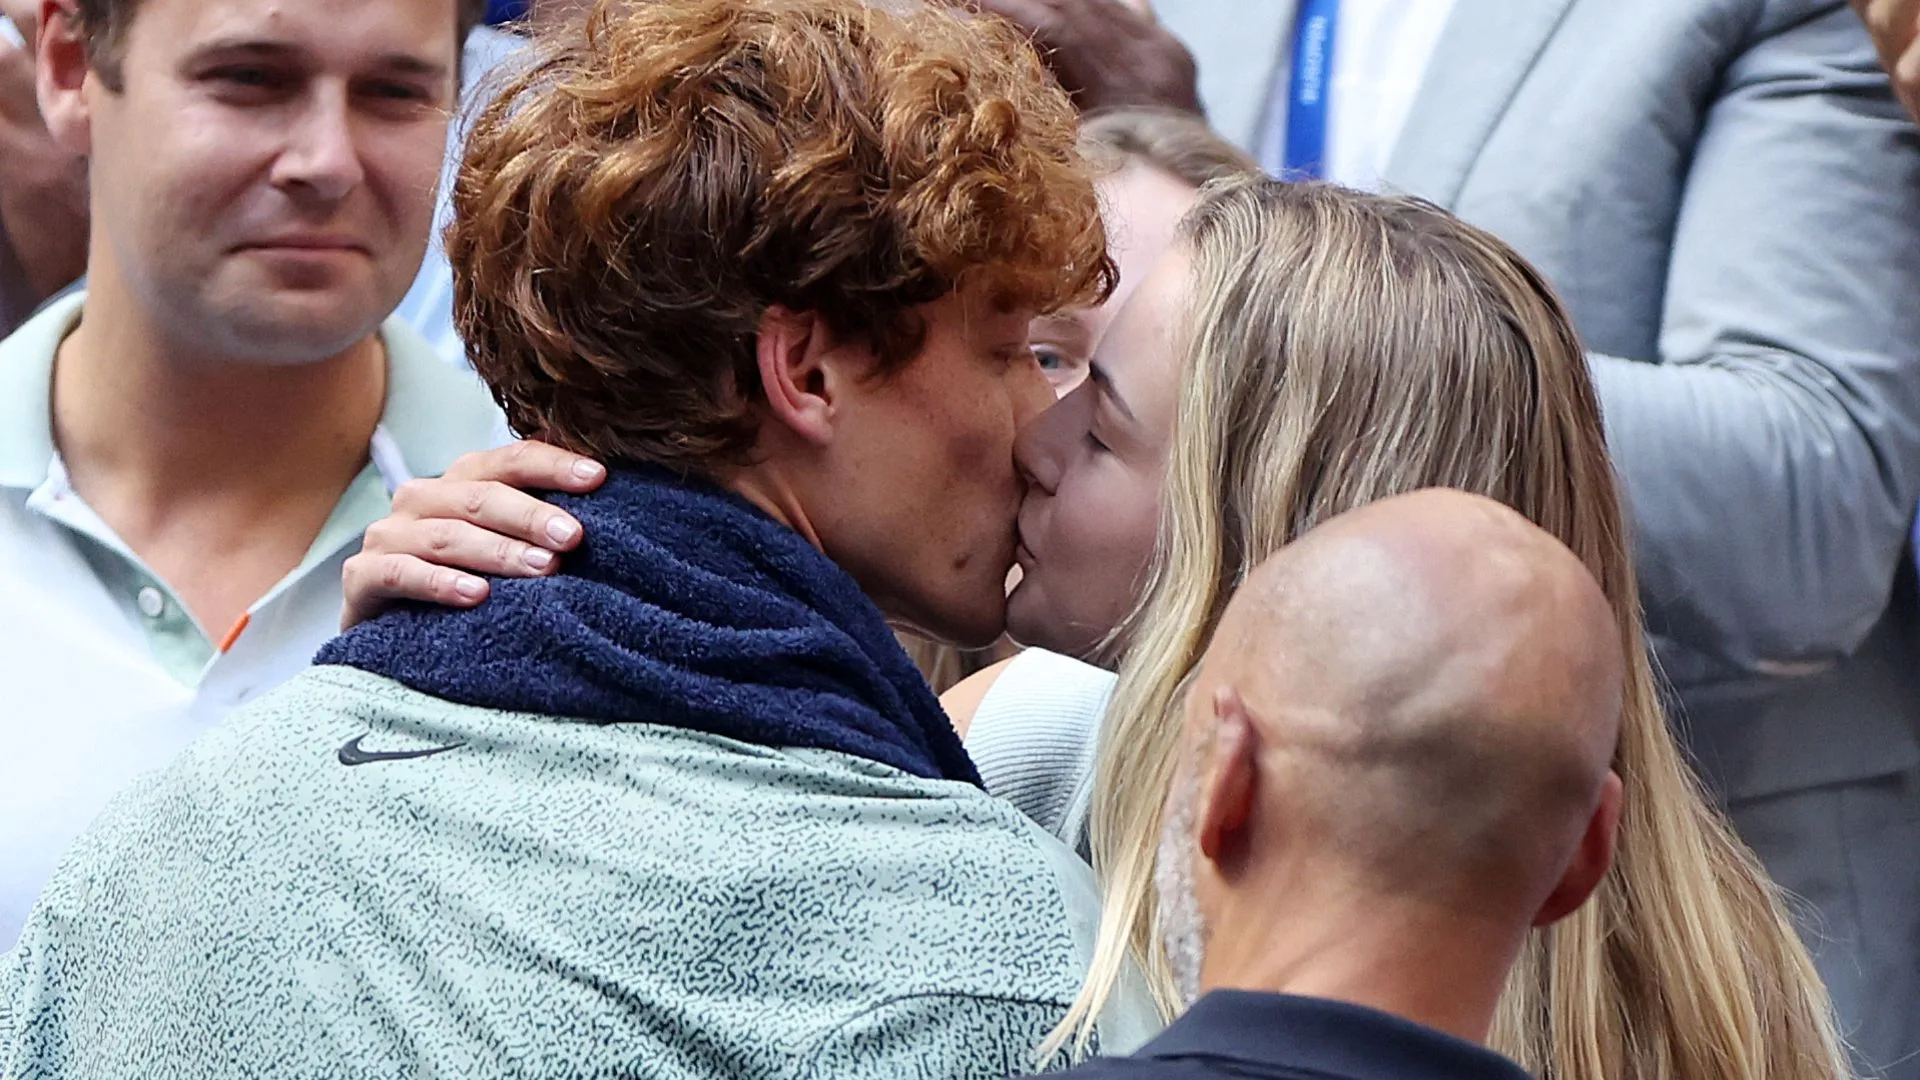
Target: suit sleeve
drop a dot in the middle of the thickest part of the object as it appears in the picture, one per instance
(1772, 457)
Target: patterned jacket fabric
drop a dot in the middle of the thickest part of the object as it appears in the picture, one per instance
(352, 878)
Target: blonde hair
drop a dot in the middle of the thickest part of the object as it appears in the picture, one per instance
(1343, 348)
(1179, 144)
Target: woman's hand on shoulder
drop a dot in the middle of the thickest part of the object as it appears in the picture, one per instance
(477, 518)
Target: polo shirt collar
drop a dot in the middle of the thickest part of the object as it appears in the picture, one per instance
(26, 392)
(1318, 1036)
(433, 412)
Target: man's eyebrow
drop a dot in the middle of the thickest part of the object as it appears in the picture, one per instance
(241, 48)
(409, 64)
(244, 48)
(1103, 381)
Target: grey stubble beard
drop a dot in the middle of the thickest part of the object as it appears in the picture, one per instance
(1181, 927)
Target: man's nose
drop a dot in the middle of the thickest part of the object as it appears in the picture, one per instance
(1031, 457)
(321, 159)
(1033, 394)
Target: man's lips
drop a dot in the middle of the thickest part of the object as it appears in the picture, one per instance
(318, 243)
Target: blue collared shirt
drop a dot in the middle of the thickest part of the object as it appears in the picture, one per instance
(1243, 1035)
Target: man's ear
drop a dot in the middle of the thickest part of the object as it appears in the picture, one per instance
(1590, 860)
(804, 368)
(60, 75)
(1229, 782)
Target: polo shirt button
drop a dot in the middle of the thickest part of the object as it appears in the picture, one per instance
(151, 602)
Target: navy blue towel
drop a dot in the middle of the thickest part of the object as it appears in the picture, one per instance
(685, 606)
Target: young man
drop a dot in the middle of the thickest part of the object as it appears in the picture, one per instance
(190, 449)
(685, 809)
(1397, 763)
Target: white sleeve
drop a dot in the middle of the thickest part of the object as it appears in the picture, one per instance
(1034, 736)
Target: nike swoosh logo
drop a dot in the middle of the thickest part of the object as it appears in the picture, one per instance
(351, 754)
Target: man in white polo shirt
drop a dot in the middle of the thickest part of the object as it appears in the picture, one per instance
(191, 448)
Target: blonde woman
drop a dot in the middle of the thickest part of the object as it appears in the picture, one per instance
(1304, 351)
(1339, 349)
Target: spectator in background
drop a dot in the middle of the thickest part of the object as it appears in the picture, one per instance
(1729, 199)
(43, 191)
(1395, 764)
(684, 810)
(190, 448)
(1895, 25)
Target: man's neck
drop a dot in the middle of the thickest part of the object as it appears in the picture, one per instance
(218, 474)
(767, 487)
(1432, 968)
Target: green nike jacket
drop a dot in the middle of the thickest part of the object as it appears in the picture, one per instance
(349, 878)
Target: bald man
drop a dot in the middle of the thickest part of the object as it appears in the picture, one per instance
(1397, 762)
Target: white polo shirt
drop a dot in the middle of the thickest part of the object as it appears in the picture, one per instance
(103, 673)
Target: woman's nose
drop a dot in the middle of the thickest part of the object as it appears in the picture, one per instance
(1036, 451)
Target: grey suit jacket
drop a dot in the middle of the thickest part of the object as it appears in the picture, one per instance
(1728, 198)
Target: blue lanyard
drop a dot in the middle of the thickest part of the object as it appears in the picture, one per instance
(1309, 91)
(504, 11)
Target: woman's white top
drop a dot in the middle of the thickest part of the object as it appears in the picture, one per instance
(1034, 736)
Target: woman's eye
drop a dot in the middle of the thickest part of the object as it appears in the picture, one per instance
(1051, 359)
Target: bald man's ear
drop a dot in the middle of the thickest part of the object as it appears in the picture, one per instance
(1229, 782)
(1590, 861)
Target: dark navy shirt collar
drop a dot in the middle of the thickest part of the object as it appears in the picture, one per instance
(1323, 1037)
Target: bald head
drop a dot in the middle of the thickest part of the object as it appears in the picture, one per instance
(1426, 694)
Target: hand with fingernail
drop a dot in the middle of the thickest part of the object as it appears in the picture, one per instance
(476, 519)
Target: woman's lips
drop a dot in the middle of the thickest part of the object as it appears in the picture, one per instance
(1023, 555)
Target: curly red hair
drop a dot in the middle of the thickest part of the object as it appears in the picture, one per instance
(636, 198)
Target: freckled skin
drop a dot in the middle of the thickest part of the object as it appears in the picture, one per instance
(930, 535)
